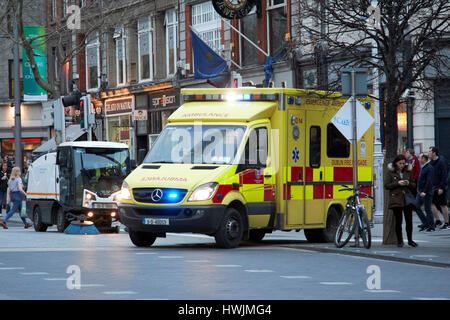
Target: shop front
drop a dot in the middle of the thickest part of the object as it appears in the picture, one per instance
(118, 114)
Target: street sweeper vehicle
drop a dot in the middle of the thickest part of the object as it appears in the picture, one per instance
(80, 181)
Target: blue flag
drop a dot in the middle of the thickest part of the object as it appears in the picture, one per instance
(207, 63)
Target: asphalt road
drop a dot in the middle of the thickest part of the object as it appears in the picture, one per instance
(53, 266)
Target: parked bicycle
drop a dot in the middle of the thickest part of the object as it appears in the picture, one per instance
(354, 217)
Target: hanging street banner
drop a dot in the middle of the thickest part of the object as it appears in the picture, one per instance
(31, 90)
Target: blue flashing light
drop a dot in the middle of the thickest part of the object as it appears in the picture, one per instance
(247, 97)
(173, 195)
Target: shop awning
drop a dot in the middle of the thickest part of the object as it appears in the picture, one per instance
(73, 132)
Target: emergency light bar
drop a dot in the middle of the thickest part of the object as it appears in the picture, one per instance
(231, 96)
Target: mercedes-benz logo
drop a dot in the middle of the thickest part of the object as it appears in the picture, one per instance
(157, 195)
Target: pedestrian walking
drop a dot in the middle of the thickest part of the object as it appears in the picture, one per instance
(398, 180)
(425, 194)
(414, 162)
(14, 196)
(439, 187)
(4, 176)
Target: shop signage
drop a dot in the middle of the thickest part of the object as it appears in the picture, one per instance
(139, 115)
(164, 99)
(118, 106)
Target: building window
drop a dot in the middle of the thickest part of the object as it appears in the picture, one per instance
(207, 23)
(121, 62)
(93, 64)
(172, 49)
(145, 49)
(337, 145)
(54, 10)
(276, 27)
(65, 6)
(248, 26)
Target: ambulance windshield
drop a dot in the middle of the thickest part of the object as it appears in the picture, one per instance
(101, 170)
(202, 144)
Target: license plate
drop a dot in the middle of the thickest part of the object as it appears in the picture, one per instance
(99, 205)
(156, 222)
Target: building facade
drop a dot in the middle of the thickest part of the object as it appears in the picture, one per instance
(34, 131)
(140, 56)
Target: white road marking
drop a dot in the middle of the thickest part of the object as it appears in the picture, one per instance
(91, 285)
(55, 279)
(336, 283)
(438, 298)
(423, 256)
(295, 277)
(198, 261)
(12, 268)
(119, 292)
(259, 270)
(145, 252)
(170, 257)
(34, 273)
(382, 291)
(227, 265)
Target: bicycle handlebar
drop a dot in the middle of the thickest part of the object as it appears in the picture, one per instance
(347, 188)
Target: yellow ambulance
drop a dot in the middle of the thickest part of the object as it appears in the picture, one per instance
(239, 163)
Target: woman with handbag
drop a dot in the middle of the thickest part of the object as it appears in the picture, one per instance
(14, 195)
(398, 181)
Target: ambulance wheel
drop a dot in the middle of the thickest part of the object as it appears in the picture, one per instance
(230, 230)
(61, 222)
(141, 239)
(256, 235)
(327, 234)
(37, 220)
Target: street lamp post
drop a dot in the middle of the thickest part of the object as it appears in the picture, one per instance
(17, 101)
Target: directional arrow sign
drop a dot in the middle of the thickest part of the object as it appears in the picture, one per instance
(343, 120)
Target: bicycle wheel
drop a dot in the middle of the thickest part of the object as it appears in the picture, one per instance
(364, 229)
(345, 229)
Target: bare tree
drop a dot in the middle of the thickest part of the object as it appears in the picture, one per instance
(409, 36)
(96, 16)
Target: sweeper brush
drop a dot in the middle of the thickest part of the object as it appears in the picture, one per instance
(79, 227)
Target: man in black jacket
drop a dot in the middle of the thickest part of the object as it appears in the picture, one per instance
(439, 186)
(425, 193)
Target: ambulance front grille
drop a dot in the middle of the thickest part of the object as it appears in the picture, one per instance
(159, 195)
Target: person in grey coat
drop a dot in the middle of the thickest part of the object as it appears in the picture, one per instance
(425, 193)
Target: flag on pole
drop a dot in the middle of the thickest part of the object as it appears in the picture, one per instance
(207, 63)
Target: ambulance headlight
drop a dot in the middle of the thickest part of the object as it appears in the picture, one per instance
(204, 192)
(125, 193)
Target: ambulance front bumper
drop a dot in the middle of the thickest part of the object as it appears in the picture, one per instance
(195, 219)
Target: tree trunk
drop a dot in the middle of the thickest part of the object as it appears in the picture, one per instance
(391, 129)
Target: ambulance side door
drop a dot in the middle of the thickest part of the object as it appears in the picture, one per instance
(294, 175)
(256, 180)
(314, 169)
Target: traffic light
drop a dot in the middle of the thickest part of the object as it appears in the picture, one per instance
(72, 100)
(83, 122)
(87, 117)
(236, 80)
